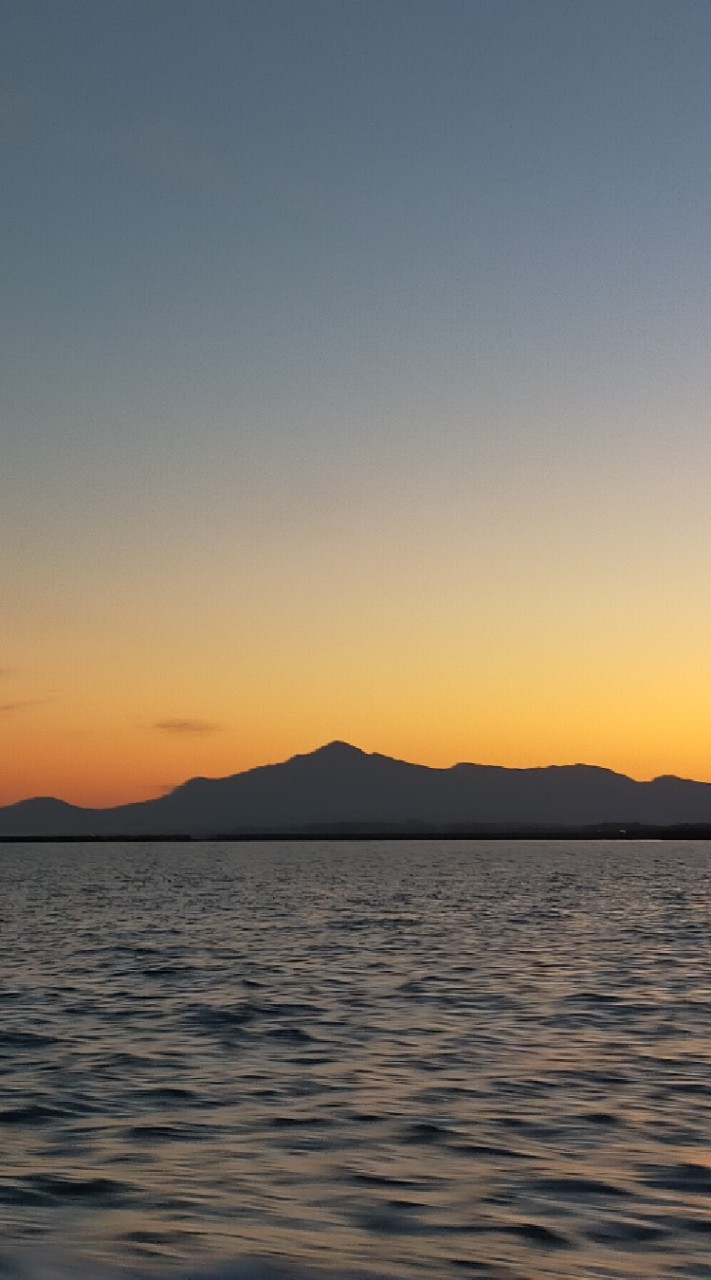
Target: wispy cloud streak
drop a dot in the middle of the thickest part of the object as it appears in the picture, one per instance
(186, 726)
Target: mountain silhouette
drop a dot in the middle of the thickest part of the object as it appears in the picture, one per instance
(340, 789)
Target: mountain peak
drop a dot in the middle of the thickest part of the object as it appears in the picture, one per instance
(335, 757)
(336, 752)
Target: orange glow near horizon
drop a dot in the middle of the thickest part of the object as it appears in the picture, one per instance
(93, 774)
(132, 738)
(550, 650)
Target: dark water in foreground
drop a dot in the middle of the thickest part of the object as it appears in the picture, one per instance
(407, 1059)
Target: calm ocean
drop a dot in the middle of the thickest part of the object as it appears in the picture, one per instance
(407, 1059)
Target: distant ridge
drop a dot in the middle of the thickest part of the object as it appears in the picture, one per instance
(340, 789)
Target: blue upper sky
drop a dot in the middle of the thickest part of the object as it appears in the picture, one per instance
(333, 205)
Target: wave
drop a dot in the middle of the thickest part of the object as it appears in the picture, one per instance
(53, 1264)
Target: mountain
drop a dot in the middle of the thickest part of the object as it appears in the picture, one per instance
(340, 788)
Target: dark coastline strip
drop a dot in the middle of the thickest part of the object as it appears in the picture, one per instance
(607, 831)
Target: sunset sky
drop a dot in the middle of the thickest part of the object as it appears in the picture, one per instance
(356, 384)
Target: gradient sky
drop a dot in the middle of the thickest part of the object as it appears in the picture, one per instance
(355, 384)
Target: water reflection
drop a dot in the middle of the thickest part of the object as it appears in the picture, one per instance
(410, 1059)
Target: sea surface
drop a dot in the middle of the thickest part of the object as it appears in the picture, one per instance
(393, 1059)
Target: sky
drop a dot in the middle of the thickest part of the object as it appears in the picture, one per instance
(355, 384)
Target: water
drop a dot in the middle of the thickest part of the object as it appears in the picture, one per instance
(395, 1059)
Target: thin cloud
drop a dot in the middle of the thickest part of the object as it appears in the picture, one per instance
(165, 152)
(153, 146)
(186, 726)
(11, 708)
(18, 112)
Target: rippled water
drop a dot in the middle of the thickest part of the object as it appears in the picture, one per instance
(402, 1059)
